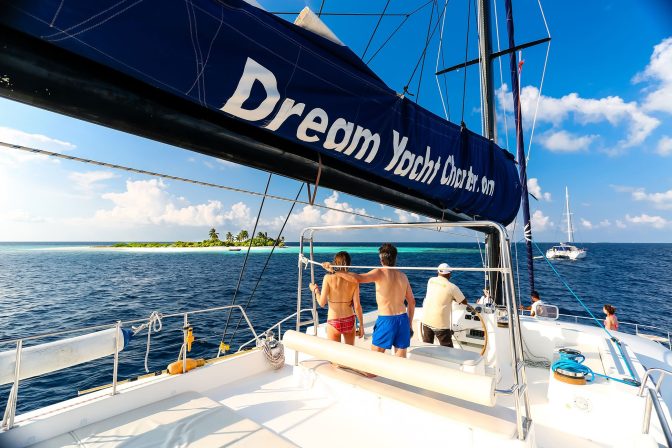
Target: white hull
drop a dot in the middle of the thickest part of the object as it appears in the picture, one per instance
(241, 401)
(565, 252)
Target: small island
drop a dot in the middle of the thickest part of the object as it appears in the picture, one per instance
(242, 239)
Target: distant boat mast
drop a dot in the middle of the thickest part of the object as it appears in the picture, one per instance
(570, 227)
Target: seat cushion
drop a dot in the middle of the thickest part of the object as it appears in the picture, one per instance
(447, 354)
(188, 419)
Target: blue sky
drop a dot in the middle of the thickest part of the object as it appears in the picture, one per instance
(603, 129)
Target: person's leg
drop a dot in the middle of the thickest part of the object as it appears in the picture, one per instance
(383, 334)
(349, 337)
(332, 334)
(427, 334)
(445, 337)
(402, 338)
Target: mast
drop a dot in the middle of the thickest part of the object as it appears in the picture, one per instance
(520, 143)
(489, 131)
(570, 230)
(487, 83)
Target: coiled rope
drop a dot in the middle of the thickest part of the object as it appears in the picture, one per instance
(573, 363)
(273, 350)
(154, 324)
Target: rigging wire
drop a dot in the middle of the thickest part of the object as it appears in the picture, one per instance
(424, 53)
(439, 55)
(184, 179)
(263, 269)
(397, 29)
(501, 76)
(466, 55)
(536, 109)
(321, 7)
(242, 269)
(380, 19)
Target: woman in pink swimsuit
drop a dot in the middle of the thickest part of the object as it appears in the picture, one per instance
(611, 322)
(343, 299)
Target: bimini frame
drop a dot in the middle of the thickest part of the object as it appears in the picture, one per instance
(507, 284)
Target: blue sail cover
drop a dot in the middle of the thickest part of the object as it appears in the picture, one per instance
(234, 58)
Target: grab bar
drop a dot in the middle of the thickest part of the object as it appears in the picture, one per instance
(652, 400)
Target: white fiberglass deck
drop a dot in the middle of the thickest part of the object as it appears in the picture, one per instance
(239, 401)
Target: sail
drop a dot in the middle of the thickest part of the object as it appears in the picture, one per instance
(230, 69)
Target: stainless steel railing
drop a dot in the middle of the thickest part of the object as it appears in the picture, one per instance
(10, 410)
(653, 400)
(635, 325)
(278, 325)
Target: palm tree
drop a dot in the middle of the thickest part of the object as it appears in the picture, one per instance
(229, 237)
(243, 235)
(261, 236)
(214, 236)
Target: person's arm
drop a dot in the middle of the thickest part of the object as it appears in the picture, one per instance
(369, 277)
(410, 308)
(321, 295)
(358, 311)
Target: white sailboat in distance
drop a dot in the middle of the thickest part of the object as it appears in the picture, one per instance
(567, 250)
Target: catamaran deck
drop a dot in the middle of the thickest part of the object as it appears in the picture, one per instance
(240, 401)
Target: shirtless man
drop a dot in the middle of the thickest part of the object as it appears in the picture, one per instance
(393, 326)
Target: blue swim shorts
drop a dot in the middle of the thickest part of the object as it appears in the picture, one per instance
(392, 331)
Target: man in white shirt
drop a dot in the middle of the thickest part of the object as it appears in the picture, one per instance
(438, 307)
(536, 302)
(486, 298)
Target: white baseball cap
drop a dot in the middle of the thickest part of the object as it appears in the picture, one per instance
(444, 268)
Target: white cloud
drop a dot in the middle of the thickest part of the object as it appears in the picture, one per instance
(146, 202)
(664, 147)
(659, 73)
(589, 225)
(620, 224)
(87, 180)
(540, 222)
(612, 109)
(226, 163)
(39, 141)
(661, 200)
(404, 216)
(314, 216)
(534, 189)
(657, 222)
(20, 216)
(563, 141)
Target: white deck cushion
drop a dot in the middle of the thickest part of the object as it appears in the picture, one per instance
(478, 389)
(188, 419)
(447, 354)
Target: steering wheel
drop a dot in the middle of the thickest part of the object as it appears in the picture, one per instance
(483, 326)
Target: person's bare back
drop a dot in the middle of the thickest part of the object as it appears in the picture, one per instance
(391, 290)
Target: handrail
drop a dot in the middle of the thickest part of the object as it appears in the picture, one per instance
(633, 324)
(10, 410)
(126, 322)
(653, 400)
(277, 324)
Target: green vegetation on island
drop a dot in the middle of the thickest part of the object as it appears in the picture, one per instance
(242, 239)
